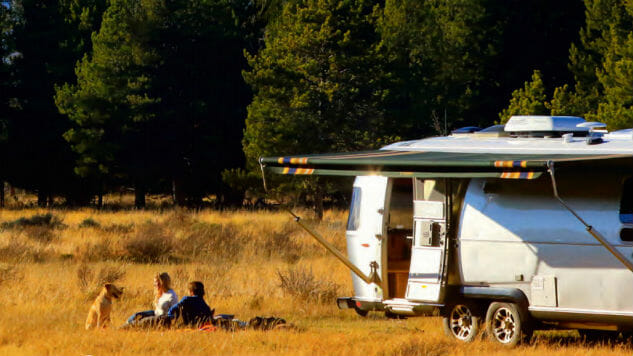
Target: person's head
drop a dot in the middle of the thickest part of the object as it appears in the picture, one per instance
(162, 282)
(196, 289)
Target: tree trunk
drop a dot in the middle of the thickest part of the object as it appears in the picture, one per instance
(318, 202)
(139, 195)
(42, 197)
(178, 193)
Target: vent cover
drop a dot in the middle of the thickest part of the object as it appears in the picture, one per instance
(545, 124)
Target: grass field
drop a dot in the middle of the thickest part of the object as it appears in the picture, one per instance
(52, 264)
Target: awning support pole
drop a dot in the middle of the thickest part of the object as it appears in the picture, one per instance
(373, 276)
(625, 261)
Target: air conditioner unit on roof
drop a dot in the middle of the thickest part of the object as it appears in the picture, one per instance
(537, 123)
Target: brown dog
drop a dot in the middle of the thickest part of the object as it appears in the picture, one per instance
(99, 314)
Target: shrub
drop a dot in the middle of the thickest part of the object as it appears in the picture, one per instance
(215, 241)
(151, 243)
(18, 250)
(119, 228)
(45, 220)
(89, 222)
(9, 273)
(90, 281)
(101, 250)
(281, 244)
(301, 283)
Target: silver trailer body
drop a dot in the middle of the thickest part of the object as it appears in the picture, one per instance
(467, 241)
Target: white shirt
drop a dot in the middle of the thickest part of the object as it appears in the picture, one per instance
(165, 302)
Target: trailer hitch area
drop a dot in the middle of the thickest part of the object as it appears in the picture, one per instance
(373, 275)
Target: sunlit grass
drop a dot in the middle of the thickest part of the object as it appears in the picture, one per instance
(44, 301)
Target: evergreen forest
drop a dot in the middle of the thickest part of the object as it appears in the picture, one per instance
(180, 97)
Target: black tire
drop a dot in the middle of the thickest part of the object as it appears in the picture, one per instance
(361, 312)
(507, 324)
(462, 321)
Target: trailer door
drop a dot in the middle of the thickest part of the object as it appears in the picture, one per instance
(365, 231)
(429, 241)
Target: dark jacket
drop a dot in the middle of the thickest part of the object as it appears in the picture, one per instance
(194, 311)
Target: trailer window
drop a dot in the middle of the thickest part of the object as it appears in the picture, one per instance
(354, 210)
(401, 205)
(626, 204)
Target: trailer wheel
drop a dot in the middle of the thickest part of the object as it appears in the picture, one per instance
(462, 321)
(506, 323)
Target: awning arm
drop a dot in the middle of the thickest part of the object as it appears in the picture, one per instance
(625, 261)
(373, 275)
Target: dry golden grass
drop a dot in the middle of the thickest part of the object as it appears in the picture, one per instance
(49, 275)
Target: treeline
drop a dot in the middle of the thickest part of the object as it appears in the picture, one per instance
(181, 96)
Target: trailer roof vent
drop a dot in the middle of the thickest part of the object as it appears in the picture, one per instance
(542, 126)
(465, 130)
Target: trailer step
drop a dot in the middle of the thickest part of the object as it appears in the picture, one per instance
(400, 305)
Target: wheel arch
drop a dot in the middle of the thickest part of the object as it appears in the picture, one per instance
(484, 295)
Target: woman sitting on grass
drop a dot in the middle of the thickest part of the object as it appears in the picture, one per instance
(165, 298)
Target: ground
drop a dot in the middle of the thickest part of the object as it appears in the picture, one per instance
(253, 263)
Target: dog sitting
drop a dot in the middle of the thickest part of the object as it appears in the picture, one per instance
(99, 314)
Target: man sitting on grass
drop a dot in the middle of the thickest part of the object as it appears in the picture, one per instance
(193, 309)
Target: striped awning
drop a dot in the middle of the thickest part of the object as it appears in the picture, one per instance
(393, 163)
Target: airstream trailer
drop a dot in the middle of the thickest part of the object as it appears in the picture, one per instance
(523, 226)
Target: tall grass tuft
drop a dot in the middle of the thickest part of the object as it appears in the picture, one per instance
(214, 242)
(89, 222)
(90, 281)
(302, 284)
(150, 243)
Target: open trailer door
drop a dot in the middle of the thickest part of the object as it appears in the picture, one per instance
(426, 274)
(365, 231)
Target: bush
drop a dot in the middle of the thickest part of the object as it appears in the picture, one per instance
(214, 241)
(119, 228)
(40, 234)
(18, 250)
(301, 283)
(43, 220)
(101, 250)
(151, 243)
(89, 222)
(282, 245)
(9, 273)
(90, 281)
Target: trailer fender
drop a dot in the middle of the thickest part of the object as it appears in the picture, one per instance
(513, 295)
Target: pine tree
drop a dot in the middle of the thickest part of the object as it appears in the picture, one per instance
(616, 77)
(108, 104)
(47, 44)
(606, 23)
(318, 84)
(436, 53)
(159, 102)
(529, 100)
